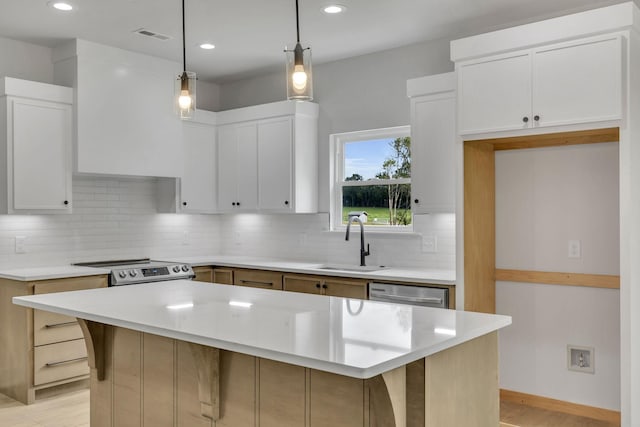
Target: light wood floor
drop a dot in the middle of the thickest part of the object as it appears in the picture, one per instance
(527, 416)
(67, 410)
(72, 410)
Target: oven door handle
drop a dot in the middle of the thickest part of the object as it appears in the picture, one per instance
(428, 300)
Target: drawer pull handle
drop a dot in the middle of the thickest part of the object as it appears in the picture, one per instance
(66, 362)
(256, 282)
(60, 325)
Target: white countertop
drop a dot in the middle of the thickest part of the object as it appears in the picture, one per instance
(356, 338)
(400, 274)
(55, 272)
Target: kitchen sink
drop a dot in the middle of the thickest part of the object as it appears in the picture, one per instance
(346, 267)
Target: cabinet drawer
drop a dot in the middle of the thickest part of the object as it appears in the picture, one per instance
(55, 362)
(50, 328)
(70, 284)
(258, 279)
(304, 284)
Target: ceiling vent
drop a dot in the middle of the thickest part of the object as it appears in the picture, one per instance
(148, 33)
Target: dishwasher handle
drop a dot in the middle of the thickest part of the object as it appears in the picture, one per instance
(427, 300)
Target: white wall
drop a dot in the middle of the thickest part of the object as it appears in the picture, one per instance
(25, 61)
(365, 92)
(207, 96)
(544, 198)
(116, 217)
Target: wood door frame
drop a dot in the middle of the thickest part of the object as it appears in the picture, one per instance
(479, 206)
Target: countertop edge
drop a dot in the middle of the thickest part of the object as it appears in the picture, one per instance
(307, 362)
(387, 274)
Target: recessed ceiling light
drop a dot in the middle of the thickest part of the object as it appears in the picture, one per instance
(207, 46)
(61, 5)
(333, 9)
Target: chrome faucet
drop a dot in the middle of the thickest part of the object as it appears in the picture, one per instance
(363, 253)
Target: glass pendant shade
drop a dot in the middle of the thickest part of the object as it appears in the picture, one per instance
(185, 94)
(299, 76)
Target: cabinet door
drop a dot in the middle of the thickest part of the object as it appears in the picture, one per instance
(227, 153)
(198, 183)
(304, 284)
(39, 156)
(247, 167)
(577, 83)
(275, 145)
(433, 153)
(342, 395)
(203, 274)
(223, 276)
(345, 288)
(495, 94)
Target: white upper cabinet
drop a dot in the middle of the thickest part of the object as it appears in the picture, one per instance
(572, 82)
(275, 153)
(196, 191)
(433, 141)
(578, 82)
(238, 167)
(268, 158)
(495, 94)
(36, 147)
(124, 114)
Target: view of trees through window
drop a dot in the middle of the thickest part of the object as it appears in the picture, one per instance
(377, 180)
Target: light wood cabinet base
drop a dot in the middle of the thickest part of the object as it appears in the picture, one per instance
(40, 350)
(152, 380)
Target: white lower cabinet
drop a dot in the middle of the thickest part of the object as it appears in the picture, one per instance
(433, 141)
(35, 147)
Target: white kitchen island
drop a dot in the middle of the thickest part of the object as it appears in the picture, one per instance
(184, 353)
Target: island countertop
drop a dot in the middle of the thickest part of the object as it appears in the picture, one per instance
(356, 338)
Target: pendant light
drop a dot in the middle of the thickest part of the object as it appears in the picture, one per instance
(186, 84)
(299, 81)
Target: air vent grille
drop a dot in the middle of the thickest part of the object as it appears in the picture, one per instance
(148, 33)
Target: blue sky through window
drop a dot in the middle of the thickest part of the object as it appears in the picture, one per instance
(366, 157)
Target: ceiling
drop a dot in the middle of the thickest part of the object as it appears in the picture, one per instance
(250, 34)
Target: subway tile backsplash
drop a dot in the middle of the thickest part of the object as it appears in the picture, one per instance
(115, 218)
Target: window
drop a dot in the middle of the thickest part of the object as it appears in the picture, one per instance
(372, 176)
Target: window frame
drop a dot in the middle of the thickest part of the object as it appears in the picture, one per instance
(337, 143)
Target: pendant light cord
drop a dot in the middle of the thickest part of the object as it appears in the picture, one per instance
(184, 48)
(297, 22)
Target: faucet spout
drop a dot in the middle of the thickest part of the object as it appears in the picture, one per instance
(363, 252)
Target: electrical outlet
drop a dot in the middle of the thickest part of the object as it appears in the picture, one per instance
(575, 249)
(21, 244)
(430, 243)
(581, 359)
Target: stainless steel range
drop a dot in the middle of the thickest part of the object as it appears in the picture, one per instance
(145, 270)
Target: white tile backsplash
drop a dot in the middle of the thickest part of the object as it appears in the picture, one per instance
(115, 218)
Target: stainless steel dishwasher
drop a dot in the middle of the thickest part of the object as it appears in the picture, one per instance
(414, 295)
